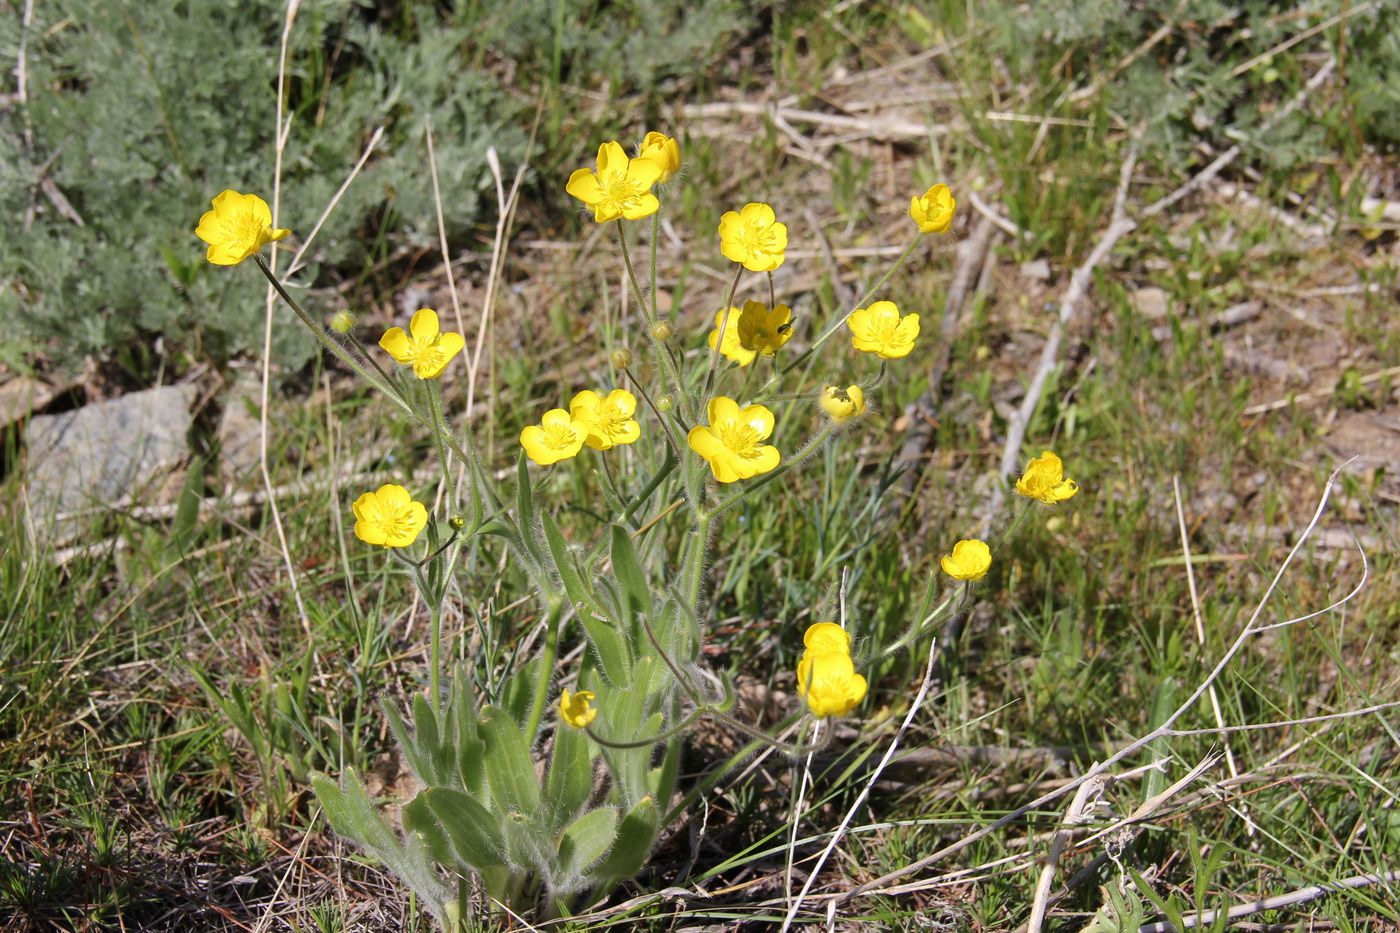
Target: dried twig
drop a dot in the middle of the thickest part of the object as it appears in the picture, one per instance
(1293, 898)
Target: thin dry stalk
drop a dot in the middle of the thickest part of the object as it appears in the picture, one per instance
(1079, 809)
(282, 131)
(1292, 899)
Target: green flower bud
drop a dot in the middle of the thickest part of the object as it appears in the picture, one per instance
(664, 403)
(621, 359)
(457, 522)
(342, 322)
(662, 332)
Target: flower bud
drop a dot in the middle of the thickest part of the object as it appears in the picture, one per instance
(342, 322)
(622, 358)
(661, 332)
(664, 403)
(457, 522)
(841, 405)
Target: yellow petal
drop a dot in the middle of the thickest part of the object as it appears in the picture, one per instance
(424, 326)
(722, 408)
(759, 418)
(622, 402)
(396, 343)
(583, 184)
(826, 636)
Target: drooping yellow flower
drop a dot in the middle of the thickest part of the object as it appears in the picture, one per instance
(664, 151)
(828, 681)
(753, 237)
(237, 227)
(733, 347)
(426, 348)
(731, 443)
(389, 517)
(558, 436)
(841, 405)
(621, 187)
(826, 636)
(881, 330)
(763, 329)
(1045, 480)
(969, 560)
(933, 212)
(577, 709)
(609, 419)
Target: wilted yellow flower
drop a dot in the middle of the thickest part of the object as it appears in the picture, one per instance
(763, 329)
(731, 443)
(577, 709)
(828, 681)
(621, 187)
(753, 237)
(609, 419)
(826, 636)
(426, 348)
(841, 405)
(733, 347)
(933, 212)
(881, 330)
(969, 560)
(558, 436)
(1045, 480)
(664, 151)
(389, 517)
(237, 227)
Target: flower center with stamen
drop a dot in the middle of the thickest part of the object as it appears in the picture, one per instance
(559, 436)
(738, 437)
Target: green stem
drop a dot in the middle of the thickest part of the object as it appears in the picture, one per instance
(836, 324)
(707, 783)
(655, 230)
(551, 648)
(695, 560)
(436, 661)
(668, 363)
(441, 434)
(660, 418)
(632, 275)
(918, 629)
(338, 351)
(644, 743)
(719, 337)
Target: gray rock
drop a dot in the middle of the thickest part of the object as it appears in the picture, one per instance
(125, 450)
(1037, 269)
(239, 430)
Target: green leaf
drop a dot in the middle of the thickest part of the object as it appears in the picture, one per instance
(587, 839)
(574, 585)
(614, 658)
(473, 832)
(525, 510)
(663, 777)
(634, 841)
(510, 771)
(628, 570)
(570, 779)
(520, 689)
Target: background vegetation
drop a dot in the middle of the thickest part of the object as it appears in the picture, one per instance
(162, 697)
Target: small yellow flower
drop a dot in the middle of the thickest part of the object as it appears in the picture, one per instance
(428, 350)
(828, 681)
(731, 441)
(763, 329)
(577, 709)
(826, 636)
(621, 187)
(558, 436)
(933, 212)
(609, 419)
(881, 330)
(237, 227)
(389, 516)
(841, 405)
(1045, 480)
(733, 347)
(664, 151)
(753, 237)
(969, 560)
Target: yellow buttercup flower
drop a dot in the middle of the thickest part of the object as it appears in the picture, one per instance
(828, 681)
(753, 237)
(826, 636)
(389, 517)
(664, 151)
(763, 329)
(558, 436)
(237, 227)
(609, 419)
(733, 347)
(969, 560)
(933, 212)
(881, 330)
(621, 187)
(841, 405)
(577, 709)
(426, 348)
(731, 443)
(1045, 480)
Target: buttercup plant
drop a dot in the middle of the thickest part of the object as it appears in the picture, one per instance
(487, 819)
